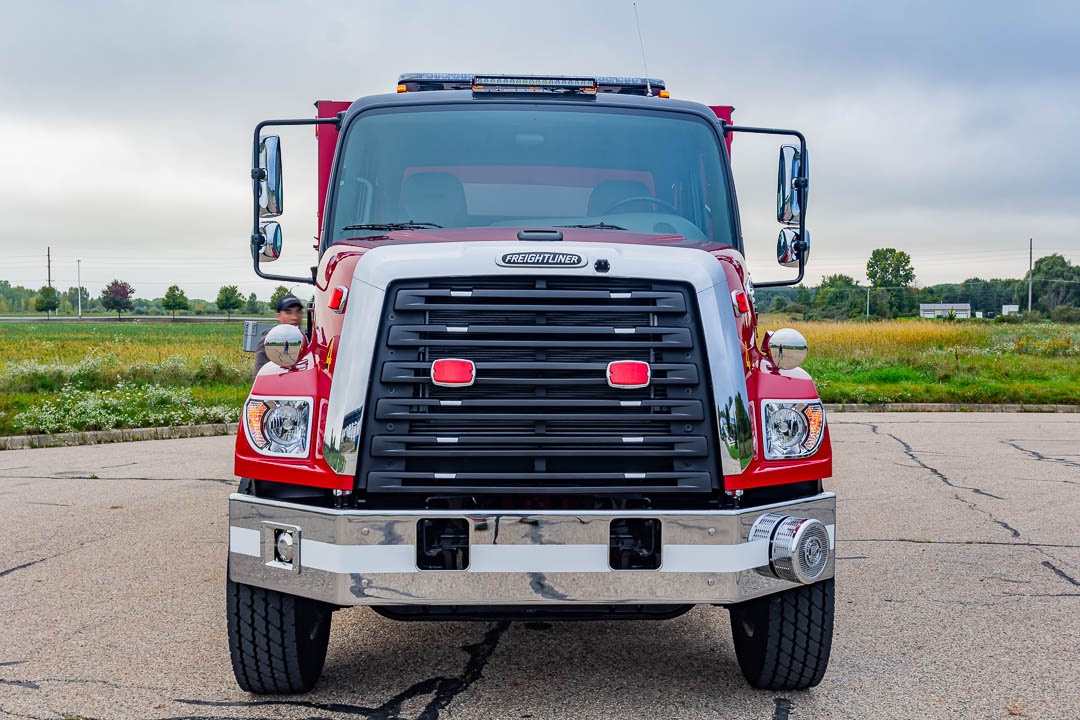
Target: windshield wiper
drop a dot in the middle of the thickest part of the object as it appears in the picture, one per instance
(392, 226)
(595, 226)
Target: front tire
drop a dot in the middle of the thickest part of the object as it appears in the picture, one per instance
(277, 641)
(782, 641)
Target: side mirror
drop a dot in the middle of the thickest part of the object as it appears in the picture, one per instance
(271, 248)
(270, 198)
(790, 192)
(790, 247)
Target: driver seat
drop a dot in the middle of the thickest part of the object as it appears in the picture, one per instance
(436, 197)
(609, 193)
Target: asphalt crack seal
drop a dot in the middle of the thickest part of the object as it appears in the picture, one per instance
(910, 452)
(1060, 573)
(783, 709)
(1039, 456)
(445, 689)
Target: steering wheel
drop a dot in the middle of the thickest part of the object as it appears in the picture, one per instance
(644, 198)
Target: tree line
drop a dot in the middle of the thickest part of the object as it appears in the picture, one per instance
(119, 296)
(892, 292)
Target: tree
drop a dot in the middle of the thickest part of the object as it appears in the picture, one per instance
(890, 268)
(838, 296)
(73, 295)
(175, 299)
(117, 296)
(229, 299)
(279, 293)
(47, 300)
(253, 306)
(1055, 281)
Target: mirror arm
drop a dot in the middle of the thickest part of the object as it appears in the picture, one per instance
(257, 175)
(800, 183)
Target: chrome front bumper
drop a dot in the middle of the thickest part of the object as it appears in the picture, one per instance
(356, 557)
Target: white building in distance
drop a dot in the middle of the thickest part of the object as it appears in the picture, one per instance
(941, 310)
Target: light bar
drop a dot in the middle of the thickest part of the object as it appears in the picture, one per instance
(619, 81)
(549, 84)
(624, 85)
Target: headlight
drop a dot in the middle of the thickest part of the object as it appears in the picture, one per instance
(279, 426)
(792, 429)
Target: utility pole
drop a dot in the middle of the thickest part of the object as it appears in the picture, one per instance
(78, 283)
(867, 302)
(1030, 270)
(48, 263)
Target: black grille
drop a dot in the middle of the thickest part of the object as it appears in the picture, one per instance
(540, 417)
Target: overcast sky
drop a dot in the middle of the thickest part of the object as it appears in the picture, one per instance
(947, 129)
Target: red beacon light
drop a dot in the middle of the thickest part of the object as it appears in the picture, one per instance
(628, 374)
(453, 372)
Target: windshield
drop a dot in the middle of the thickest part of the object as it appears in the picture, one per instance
(532, 166)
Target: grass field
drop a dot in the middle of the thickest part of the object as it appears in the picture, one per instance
(79, 376)
(936, 361)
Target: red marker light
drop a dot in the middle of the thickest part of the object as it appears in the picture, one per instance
(337, 299)
(628, 374)
(452, 372)
(741, 302)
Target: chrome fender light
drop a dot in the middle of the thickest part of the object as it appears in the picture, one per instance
(798, 547)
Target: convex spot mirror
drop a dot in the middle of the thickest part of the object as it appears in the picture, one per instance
(787, 348)
(789, 250)
(790, 200)
(284, 344)
(271, 247)
(270, 197)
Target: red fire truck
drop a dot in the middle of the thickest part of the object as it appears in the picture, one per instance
(530, 384)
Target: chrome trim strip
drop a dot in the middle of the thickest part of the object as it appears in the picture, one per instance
(382, 265)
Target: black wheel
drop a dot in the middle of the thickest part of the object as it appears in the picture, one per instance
(782, 641)
(277, 641)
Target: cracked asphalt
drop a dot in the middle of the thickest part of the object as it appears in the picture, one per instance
(958, 596)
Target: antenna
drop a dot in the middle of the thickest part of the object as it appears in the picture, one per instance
(648, 85)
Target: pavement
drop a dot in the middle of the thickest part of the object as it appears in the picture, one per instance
(958, 596)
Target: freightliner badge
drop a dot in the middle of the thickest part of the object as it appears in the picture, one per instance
(541, 259)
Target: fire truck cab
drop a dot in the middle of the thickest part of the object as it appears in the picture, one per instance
(530, 384)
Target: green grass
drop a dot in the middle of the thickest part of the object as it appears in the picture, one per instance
(941, 362)
(79, 376)
(85, 376)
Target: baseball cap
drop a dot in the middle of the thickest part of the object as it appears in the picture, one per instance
(287, 302)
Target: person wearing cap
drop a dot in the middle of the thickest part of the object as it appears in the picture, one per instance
(288, 311)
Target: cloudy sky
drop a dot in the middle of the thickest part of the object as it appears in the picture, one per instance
(947, 129)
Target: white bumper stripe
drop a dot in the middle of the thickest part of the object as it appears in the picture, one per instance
(358, 558)
(539, 558)
(715, 558)
(244, 541)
